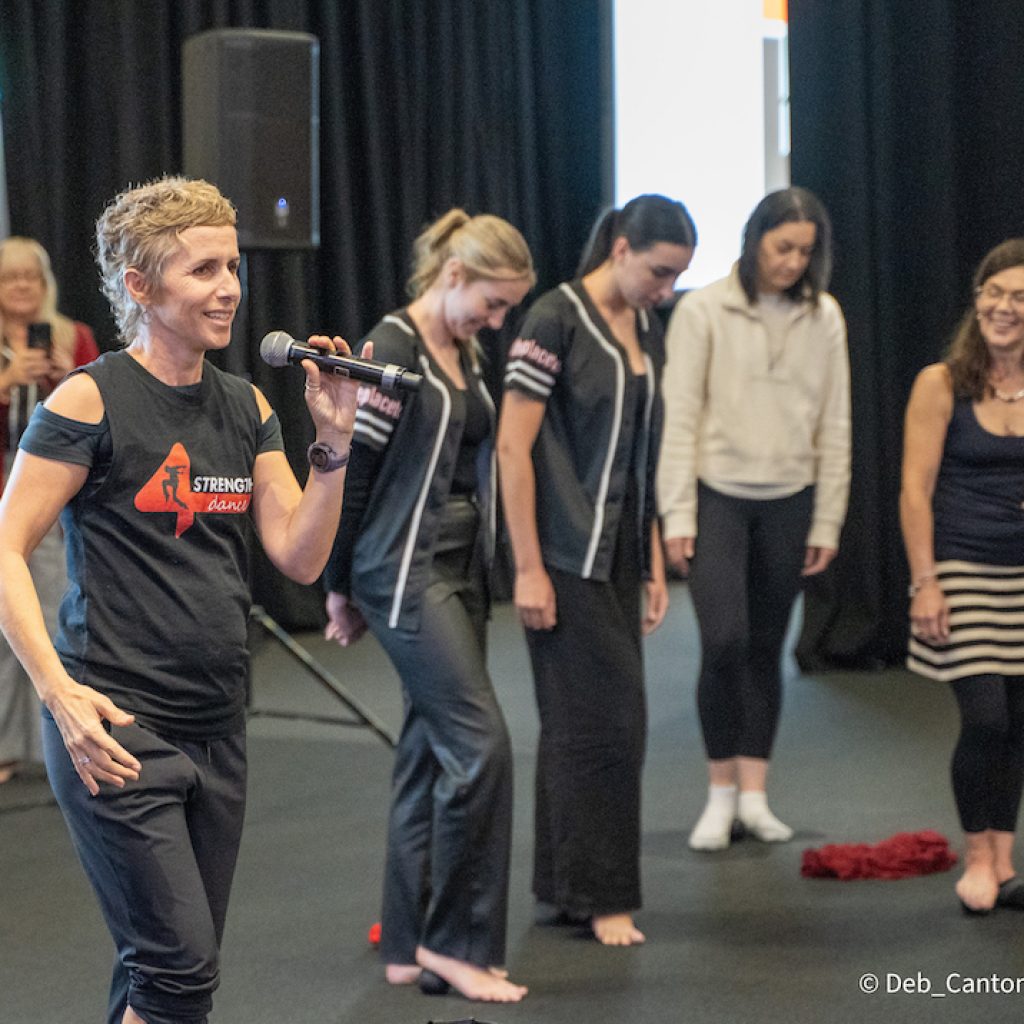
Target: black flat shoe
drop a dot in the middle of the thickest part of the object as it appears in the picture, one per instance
(547, 915)
(464, 1020)
(432, 984)
(1011, 894)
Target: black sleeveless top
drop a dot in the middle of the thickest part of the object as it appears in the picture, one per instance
(157, 606)
(476, 431)
(979, 493)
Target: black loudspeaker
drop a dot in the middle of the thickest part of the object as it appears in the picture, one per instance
(251, 113)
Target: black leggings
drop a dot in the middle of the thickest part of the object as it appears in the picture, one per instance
(988, 761)
(744, 579)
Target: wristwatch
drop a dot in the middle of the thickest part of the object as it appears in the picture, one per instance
(324, 459)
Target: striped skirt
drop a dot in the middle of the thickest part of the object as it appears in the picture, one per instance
(986, 619)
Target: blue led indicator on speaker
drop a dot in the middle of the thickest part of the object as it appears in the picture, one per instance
(281, 212)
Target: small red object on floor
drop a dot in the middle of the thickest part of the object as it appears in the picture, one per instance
(900, 856)
(374, 934)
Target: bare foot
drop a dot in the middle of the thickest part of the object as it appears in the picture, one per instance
(498, 972)
(616, 930)
(1002, 844)
(978, 887)
(402, 974)
(481, 984)
(7, 771)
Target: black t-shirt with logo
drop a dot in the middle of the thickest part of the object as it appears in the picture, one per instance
(156, 611)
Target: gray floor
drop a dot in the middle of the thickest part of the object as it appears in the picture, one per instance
(732, 937)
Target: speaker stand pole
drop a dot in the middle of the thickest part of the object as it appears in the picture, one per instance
(364, 717)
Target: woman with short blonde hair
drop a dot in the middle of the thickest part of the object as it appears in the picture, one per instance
(144, 684)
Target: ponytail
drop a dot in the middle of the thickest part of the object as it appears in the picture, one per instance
(643, 222)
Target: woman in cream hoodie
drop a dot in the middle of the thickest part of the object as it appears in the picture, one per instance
(752, 483)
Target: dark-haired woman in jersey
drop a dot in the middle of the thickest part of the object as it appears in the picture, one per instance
(577, 446)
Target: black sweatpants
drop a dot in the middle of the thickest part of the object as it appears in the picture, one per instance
(450, 826)
(988, 761)
(744, 578)
(160, 854)
(589, 679)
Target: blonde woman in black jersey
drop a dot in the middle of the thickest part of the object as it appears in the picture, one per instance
(411, 561)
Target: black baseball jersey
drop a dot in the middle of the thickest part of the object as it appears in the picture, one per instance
(405, 455)
(591, 441)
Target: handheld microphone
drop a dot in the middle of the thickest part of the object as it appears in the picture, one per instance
(278, 348)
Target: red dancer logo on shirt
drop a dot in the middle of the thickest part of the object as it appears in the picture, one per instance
(172, 489)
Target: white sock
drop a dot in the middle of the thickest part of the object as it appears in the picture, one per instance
(715, 823)
(757, 819)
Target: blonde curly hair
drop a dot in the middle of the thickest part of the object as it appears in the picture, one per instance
(139, 229)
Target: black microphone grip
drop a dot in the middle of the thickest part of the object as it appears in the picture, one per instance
(278, 348)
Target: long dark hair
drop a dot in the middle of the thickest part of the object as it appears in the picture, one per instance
(968, 359)
(644, 222)
(784, 207)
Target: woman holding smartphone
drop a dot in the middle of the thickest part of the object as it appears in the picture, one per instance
(38, 346)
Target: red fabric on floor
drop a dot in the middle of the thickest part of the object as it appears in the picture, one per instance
(900, 856)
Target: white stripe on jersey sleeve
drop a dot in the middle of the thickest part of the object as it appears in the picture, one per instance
(516, 379)
(523, 366)
(374, 431)
(523, 383)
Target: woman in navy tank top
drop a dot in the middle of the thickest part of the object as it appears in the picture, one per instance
(963, 527)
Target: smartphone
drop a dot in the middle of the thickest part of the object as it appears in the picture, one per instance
(40, 336)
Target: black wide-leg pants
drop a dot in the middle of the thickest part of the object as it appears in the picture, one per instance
(588, 676)
(449, 831)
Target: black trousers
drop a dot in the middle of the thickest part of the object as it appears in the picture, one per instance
(449, 831)
(988, 761)
(589, 680)
(160, 854)
(744, 578)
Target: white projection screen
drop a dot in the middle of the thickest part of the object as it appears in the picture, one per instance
(701, 113)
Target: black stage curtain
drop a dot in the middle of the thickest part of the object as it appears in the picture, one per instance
(907, 122)
(485, 104)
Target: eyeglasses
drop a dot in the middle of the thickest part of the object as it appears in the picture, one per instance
(993, 294)
(21, 276)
